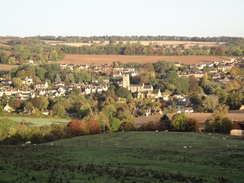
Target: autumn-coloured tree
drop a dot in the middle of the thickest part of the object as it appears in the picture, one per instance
(76, 127)
(93, 127)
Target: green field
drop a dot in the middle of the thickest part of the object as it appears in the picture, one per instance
(127, 157)
(38, 121)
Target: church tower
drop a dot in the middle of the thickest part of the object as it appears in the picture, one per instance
(126, 80)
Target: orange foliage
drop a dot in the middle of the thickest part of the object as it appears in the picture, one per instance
(93, 127)
(77, 127)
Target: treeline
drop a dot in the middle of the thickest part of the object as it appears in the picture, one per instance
(136, 38)
(21, 53)
(15, 133)
(139, 49)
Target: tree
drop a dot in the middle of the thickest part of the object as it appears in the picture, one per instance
(221, 93)
(17, 82)
(93, 127)
(69, 79)
(53, 56)
(77, 128)
(234, 100)
(115, 124)
(57, 79)
(11, 60)
(218, 124)
(193, 86)
(172, 77)
(58, 110)
(42, 103)
(191, 125)
(178, 122)
(5, 127)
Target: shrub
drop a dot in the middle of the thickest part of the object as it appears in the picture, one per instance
(165, 122)
(181, 123)
(191, 125)
(152, 126)
(127, 126)
(218, 124)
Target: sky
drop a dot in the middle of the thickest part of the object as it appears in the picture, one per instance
(201, 18)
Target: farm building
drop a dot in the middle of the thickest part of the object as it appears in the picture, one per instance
(238, 129)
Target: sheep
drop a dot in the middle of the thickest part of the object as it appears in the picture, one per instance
(185, 147)
(28, 143)
(156, 130)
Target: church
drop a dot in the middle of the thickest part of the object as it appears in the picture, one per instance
(140, 90)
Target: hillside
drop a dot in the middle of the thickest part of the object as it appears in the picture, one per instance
(127, 157)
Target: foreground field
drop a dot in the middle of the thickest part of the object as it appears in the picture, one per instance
(4, 68)
(38, 121)
(127, 157)
(102, 59)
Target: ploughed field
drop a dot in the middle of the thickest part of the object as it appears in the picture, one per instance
(79, 59)
(200, 117)
(4, 68)
(127, 157)
(186, 44)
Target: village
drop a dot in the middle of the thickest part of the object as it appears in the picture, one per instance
(218, 71)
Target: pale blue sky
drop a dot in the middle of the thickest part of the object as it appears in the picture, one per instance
(127, 17)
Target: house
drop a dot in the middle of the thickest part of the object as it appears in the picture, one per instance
(27, 81)
(59, 84)
(154, 94)
(7, 108)
(83, 66)
(41, 85)
(7, 82)
(242, 107)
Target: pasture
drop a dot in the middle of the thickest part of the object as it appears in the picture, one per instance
(127, 157)
(39, 121)
(79, 59)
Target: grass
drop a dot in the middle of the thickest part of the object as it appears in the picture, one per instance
(127, 157)
(38, 121)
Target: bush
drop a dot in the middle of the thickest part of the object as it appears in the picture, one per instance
(181, 123)
(191, 125)
(127, 126)
(218, 124)
(165, 122)
(152, 126)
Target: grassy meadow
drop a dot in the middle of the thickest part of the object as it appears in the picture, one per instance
(127, 157)
(38, 121)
